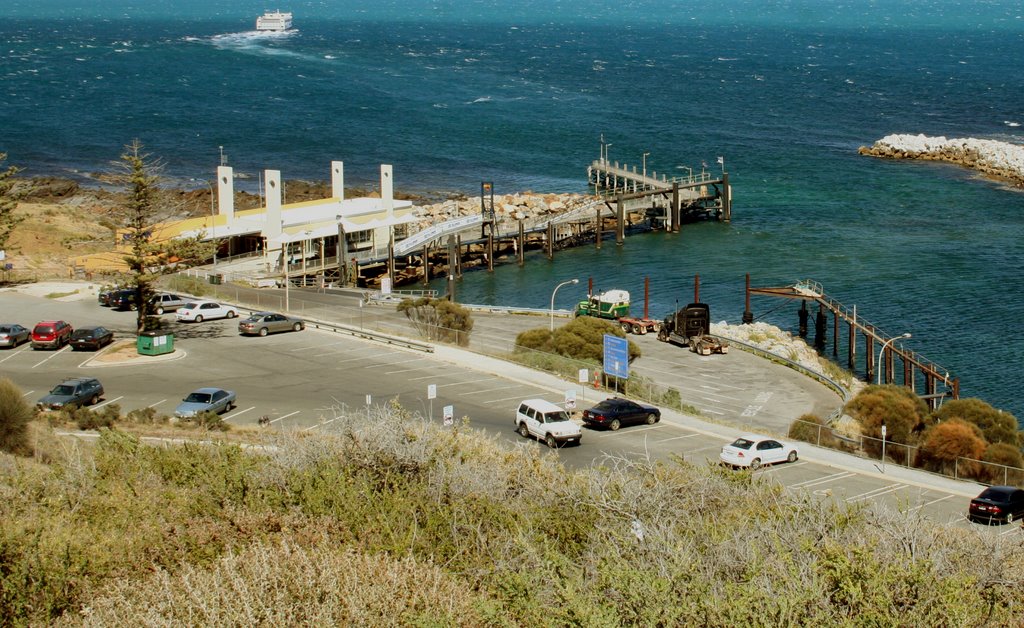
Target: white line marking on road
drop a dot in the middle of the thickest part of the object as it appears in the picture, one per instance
(284, 417)
(486, 390)
(383, 364)
(241, 412)
(823, 480)
(934, 501)
(402, 371)
(878, 492)
(634, 431)
(665, 440)
(52, 356)
(18, 352)
(153, 405)
(107, 402)
(28, 393)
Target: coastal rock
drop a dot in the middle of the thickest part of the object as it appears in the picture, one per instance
(997, 159)
(509, 207)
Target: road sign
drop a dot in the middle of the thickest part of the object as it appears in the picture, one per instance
(570, 400)
(432, 391)
(449, 415)
(616, 356)
(584, 376)
(368, 399)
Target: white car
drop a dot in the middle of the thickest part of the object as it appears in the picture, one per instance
(547, 422)
(753, 451)
(199, 311)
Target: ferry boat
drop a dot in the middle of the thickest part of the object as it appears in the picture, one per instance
(274, 21)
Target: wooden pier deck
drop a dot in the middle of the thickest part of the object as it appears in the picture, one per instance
(915, 366)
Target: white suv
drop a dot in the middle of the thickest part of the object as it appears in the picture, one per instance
(545, 421)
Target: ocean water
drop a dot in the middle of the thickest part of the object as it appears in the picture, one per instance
(452, 93)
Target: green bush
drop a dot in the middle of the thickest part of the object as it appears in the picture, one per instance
(996, 426)
(210, 421)
(88, 419)
(15, 415)
(145, 416)
(811, 428)
(189, 285)
(581, 339)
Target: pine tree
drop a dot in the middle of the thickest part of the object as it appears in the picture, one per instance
(147, 207)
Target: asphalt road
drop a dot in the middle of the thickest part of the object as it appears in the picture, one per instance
(300, 380)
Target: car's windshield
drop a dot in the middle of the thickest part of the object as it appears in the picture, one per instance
(190, 306)
(198, 398)
(255, 318)
(551, 417)
(82, 333)
(5, 330)
(742, 443)
(63, 389)
(44, 330)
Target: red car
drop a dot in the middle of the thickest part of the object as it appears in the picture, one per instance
(51, 334)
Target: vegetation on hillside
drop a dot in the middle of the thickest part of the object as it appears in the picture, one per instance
(393, 520)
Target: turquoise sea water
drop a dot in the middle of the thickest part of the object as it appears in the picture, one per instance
(454, 93)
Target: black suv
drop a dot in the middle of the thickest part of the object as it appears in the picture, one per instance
(123, 299)
(79, 391)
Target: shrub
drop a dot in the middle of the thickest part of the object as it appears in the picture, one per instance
(946, 443)
(15, 414)
(903, 413)
(439, 319)
(145, 416)
(810, 428)
(87, 419)
(996, 426)
(210, 421)
(1002, 455)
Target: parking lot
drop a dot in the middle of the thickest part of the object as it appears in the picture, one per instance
(301, 380)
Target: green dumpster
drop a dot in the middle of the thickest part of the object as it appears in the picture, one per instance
(155, 343)
(216, 279)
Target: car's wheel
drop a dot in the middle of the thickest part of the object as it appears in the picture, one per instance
(792, 456)
(263, 331)
(651, 419)
(297, 327)
(523, 431)
(1009, 517)
(231, 313)
(94, 400)
(550, 440)
(638, 330)
(199, 318)
(755, 463)
(663, 335)
(614, 425)
(625, 327)
(229, 407)
(159, 311)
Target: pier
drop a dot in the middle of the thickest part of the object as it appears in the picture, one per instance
(915, 368)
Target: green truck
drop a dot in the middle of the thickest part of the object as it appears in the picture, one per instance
(611, 304)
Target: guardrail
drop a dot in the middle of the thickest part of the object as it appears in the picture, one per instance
(366, 334)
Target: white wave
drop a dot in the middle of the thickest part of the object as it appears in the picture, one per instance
(481, 99)
(1009, 123)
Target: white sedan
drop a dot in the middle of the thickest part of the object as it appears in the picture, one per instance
(753, 451)
(200, 311)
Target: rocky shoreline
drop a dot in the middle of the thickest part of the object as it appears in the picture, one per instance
(1000, 160)
(507, 207)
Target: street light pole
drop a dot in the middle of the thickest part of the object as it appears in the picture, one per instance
(645, 165)
(551, 327)
(213, 223)
(885, 344)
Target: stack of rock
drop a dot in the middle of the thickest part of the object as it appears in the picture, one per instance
(507, 207)
(994, 158)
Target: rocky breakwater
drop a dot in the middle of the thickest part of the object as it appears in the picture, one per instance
(996, 159)
(526, 206)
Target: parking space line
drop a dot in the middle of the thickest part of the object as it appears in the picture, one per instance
(934, 501)
(402, 371)
(107, 402)
(26, 347)
(665, 440)
(823, 480)
(503, 399)
(884, 490)
(153, 405)
(636, 431)
(487, 390)
(384, 364)
(1013, 530)
(28, 393)
(284, 417)
(239, 413)
(52, 356)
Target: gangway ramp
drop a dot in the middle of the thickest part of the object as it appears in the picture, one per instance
(435, 232)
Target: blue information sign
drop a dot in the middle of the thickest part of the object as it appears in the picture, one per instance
(616, 356)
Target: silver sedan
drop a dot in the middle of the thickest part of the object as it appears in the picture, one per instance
(12, 335)
(263, 323)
